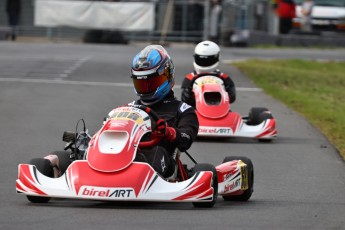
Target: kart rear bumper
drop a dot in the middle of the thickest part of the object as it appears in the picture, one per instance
(234, 126)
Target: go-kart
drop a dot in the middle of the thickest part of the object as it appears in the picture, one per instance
(107, 167)
(216, 118)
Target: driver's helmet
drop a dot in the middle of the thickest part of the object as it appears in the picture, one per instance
(152, 74)
(206, 57)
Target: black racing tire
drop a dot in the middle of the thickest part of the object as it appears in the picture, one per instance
(265, 140)
(256, 115)
(207, 167)
(64, 160)
(45, 167)
(248, 193)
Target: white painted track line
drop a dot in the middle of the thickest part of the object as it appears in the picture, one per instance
(113, 84)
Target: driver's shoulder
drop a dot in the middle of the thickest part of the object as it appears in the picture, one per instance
(174, 105)
(191, 76)
(183, 106)
(221, 74)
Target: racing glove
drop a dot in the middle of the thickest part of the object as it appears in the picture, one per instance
(168, 132)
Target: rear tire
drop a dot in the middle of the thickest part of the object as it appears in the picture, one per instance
(257, 115)
(45, 167)
(202, 168)
(262, 117)
(248, 193)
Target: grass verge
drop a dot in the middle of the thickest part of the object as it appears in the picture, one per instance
(315, 90)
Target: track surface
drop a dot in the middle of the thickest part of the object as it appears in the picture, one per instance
(46, 88)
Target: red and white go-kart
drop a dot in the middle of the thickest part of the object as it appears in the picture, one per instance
(104, 167)
(217, 120)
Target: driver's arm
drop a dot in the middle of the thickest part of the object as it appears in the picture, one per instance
(186, 129)
(229, 87)
(187, 94)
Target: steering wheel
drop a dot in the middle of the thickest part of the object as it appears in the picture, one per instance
(155, 136)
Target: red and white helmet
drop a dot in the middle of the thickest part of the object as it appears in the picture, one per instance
(206, 57)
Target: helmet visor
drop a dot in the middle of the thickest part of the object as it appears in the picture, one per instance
(205, 61)
(148, 84)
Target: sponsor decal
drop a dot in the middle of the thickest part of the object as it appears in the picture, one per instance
(244, 175)
(184, 107)
(141, 77)
(233, 185)
(185, 135)
(163, 164)
(209, 80)
(227, 176)
(98, 192)
(131, 115)
(218, 131)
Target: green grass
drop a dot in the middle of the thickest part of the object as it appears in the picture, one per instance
(315, 90)
(320, 47)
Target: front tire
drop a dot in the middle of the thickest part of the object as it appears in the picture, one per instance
(202, 168)
(45, 167)
(248, 193)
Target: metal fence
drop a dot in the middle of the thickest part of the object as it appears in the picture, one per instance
(175, 20)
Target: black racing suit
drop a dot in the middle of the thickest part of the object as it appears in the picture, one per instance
(187, 94)
(180, 116)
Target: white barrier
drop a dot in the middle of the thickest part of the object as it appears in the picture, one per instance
(127, 16)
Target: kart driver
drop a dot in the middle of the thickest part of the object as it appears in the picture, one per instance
(152, 72)
(206, 60)
(153, 78)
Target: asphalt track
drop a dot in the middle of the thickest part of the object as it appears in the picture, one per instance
(46, 88)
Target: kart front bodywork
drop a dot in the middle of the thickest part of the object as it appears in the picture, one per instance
(216, 119)
(138, 182)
